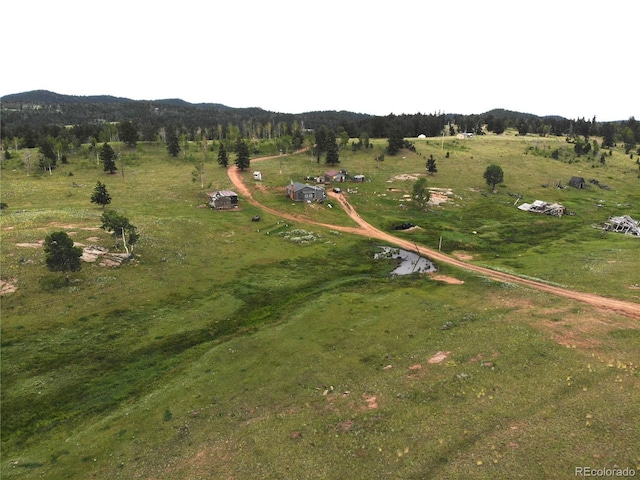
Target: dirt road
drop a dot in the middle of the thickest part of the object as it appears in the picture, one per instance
(629, 309)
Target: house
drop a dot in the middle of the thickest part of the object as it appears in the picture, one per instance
(223, 199)
(301, 192)
(257, 176)
(577, 182)
(358, 178)
(335, 176)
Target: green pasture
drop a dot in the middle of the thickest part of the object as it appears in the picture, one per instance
(233, 349)
(571, 251)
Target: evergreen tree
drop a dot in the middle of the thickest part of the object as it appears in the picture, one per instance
(608, 135)
(493, 176)
(322, 139)
(333, 155)
(108, 158)
(395, 142)
(128, 133)
(100, 195)
(431, 165)
(61, 255)
(242, 155)
(223, 158)
(173, 144)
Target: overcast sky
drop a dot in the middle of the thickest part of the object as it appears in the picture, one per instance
(561, 57)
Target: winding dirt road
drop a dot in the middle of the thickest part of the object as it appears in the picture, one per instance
(364, 228)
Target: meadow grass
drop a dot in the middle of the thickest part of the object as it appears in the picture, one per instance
(225, 349)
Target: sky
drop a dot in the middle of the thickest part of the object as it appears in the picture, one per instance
(571, 58)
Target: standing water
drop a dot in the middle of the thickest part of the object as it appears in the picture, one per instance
(411, 262)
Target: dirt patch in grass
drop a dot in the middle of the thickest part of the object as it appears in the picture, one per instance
(73, 227)
(447, 279)
(579, 331)
(372, 402)
(6, 287)
(406, 176)
(211, 460)
(460, 255)
(439, 357)
(37, 244)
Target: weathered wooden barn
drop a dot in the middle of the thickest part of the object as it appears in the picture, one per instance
(223, 199)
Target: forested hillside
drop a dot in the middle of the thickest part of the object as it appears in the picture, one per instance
(29, 118)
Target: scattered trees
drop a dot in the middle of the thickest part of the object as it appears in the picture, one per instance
(48, 157)
(493, 176)
(100, 195)
(108, 158)
(61, 255)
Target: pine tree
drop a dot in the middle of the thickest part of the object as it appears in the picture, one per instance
(322, 139)
(108, 158)
(333, 155)
(128, 133)
(61, 255)
(431, 165)
(242, 155)
(395, 142)
(223, 158)
(100, 195)
(173, 144)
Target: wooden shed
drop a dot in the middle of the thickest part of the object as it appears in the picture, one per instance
(223, 199)
(578, 182)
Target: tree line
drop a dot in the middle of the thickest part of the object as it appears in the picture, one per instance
(57, 128)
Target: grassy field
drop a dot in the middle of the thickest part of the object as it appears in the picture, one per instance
(227, 350)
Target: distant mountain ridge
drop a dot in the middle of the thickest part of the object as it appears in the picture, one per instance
(41, 113)
(46, 97)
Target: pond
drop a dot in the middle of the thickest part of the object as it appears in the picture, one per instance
(410, 263)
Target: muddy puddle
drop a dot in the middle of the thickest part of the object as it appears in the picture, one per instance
(410, 262)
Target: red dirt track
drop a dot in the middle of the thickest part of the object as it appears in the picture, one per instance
(622, 307)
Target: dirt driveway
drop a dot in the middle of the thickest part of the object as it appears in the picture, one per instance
(629, 309)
